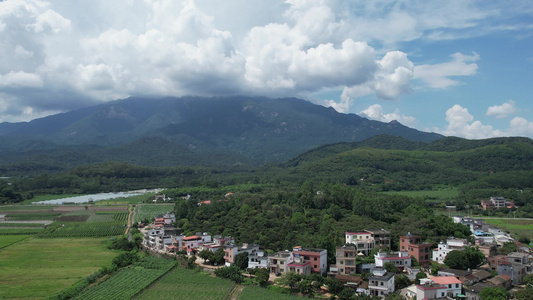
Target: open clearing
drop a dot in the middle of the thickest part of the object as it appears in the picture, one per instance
(517, 227)
(38, 268)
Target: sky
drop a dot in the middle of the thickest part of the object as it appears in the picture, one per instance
(456, 67)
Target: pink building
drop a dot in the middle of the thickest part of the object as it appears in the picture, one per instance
(317, 258)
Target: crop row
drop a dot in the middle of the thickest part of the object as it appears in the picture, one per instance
(11, 225)
(31, 217)
(20, 231)
(129, 281)
(149, 211)
(76, 229)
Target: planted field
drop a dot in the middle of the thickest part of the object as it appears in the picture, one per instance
(18, 225)
(38, 268)
(255, 292)
(32, 216)
(85, 229)
(8, 240)
(20, 231)
(131, 280)
(149, 211)
(182, 283)
(517, 227)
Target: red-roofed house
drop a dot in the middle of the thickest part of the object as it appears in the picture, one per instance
(317, 258)
(453, 285)
(303, 267)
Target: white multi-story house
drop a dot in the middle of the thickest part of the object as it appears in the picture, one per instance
(257, 259)
(400, 259)
(443, 287)
(278, 261)
(444, 248)
(362, 240)
(381, 282)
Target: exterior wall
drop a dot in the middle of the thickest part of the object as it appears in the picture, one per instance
(400, 259)
(363, 241)
(300, 268)
(346, 259)
(515, 271)
(317, 258)
(430, 292)
(277, 262)
(381, 283)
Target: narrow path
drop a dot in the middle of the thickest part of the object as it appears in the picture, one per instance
(235, 292)
(131, 218)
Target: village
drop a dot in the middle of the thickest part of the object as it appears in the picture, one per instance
(367, 253)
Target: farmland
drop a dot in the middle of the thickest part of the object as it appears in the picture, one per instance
(517, 227)
(192, 285)
(149, 211)
(51, 265)
(129, 281)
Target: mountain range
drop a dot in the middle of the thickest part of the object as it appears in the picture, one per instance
(221, 131)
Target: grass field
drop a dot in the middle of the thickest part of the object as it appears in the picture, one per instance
(518, 228)
(11, 239)
(149, 211)
(442, 195)
(38, 268)
(186, 284)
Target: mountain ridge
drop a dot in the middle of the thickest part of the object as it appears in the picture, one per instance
(243, 130)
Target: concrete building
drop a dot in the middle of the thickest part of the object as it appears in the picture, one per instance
(381, 282)
(415, 247)
(317, 257)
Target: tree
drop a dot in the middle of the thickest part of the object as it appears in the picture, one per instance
(346, 294)
(190, 262)
(401, 281)
(262, 275)
(528, 279)
(419, 276)
(524, 240)
(241, 260)
(205, 254)
(289, 279)
(456, 259)
(494, 293)
(390, 267)
(125, 259)
(507, 248)
(334, 285)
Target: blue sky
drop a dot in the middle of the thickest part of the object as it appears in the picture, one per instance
(461, 68)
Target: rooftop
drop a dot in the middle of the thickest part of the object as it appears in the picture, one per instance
(445, 280)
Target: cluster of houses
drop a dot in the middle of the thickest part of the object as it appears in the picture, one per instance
(511, 269)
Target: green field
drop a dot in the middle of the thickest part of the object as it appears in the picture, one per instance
(186, 284)
(11, 239)
(129, 281)
(38, 268)
(149, 211)
(517, 227)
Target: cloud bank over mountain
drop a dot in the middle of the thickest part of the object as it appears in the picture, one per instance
(56, 55)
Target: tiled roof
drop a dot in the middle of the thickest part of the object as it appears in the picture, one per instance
(445, 280)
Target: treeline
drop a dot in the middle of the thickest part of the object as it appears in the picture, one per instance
(111, 177)
(314, 216)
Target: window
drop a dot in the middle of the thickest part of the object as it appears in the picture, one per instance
(315, 258)
(281, 262)
(342, 262)
(315, 266)
(456, 285)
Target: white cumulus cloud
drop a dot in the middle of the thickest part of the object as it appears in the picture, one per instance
(502, 111)
(440, 75)
(375, 112)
